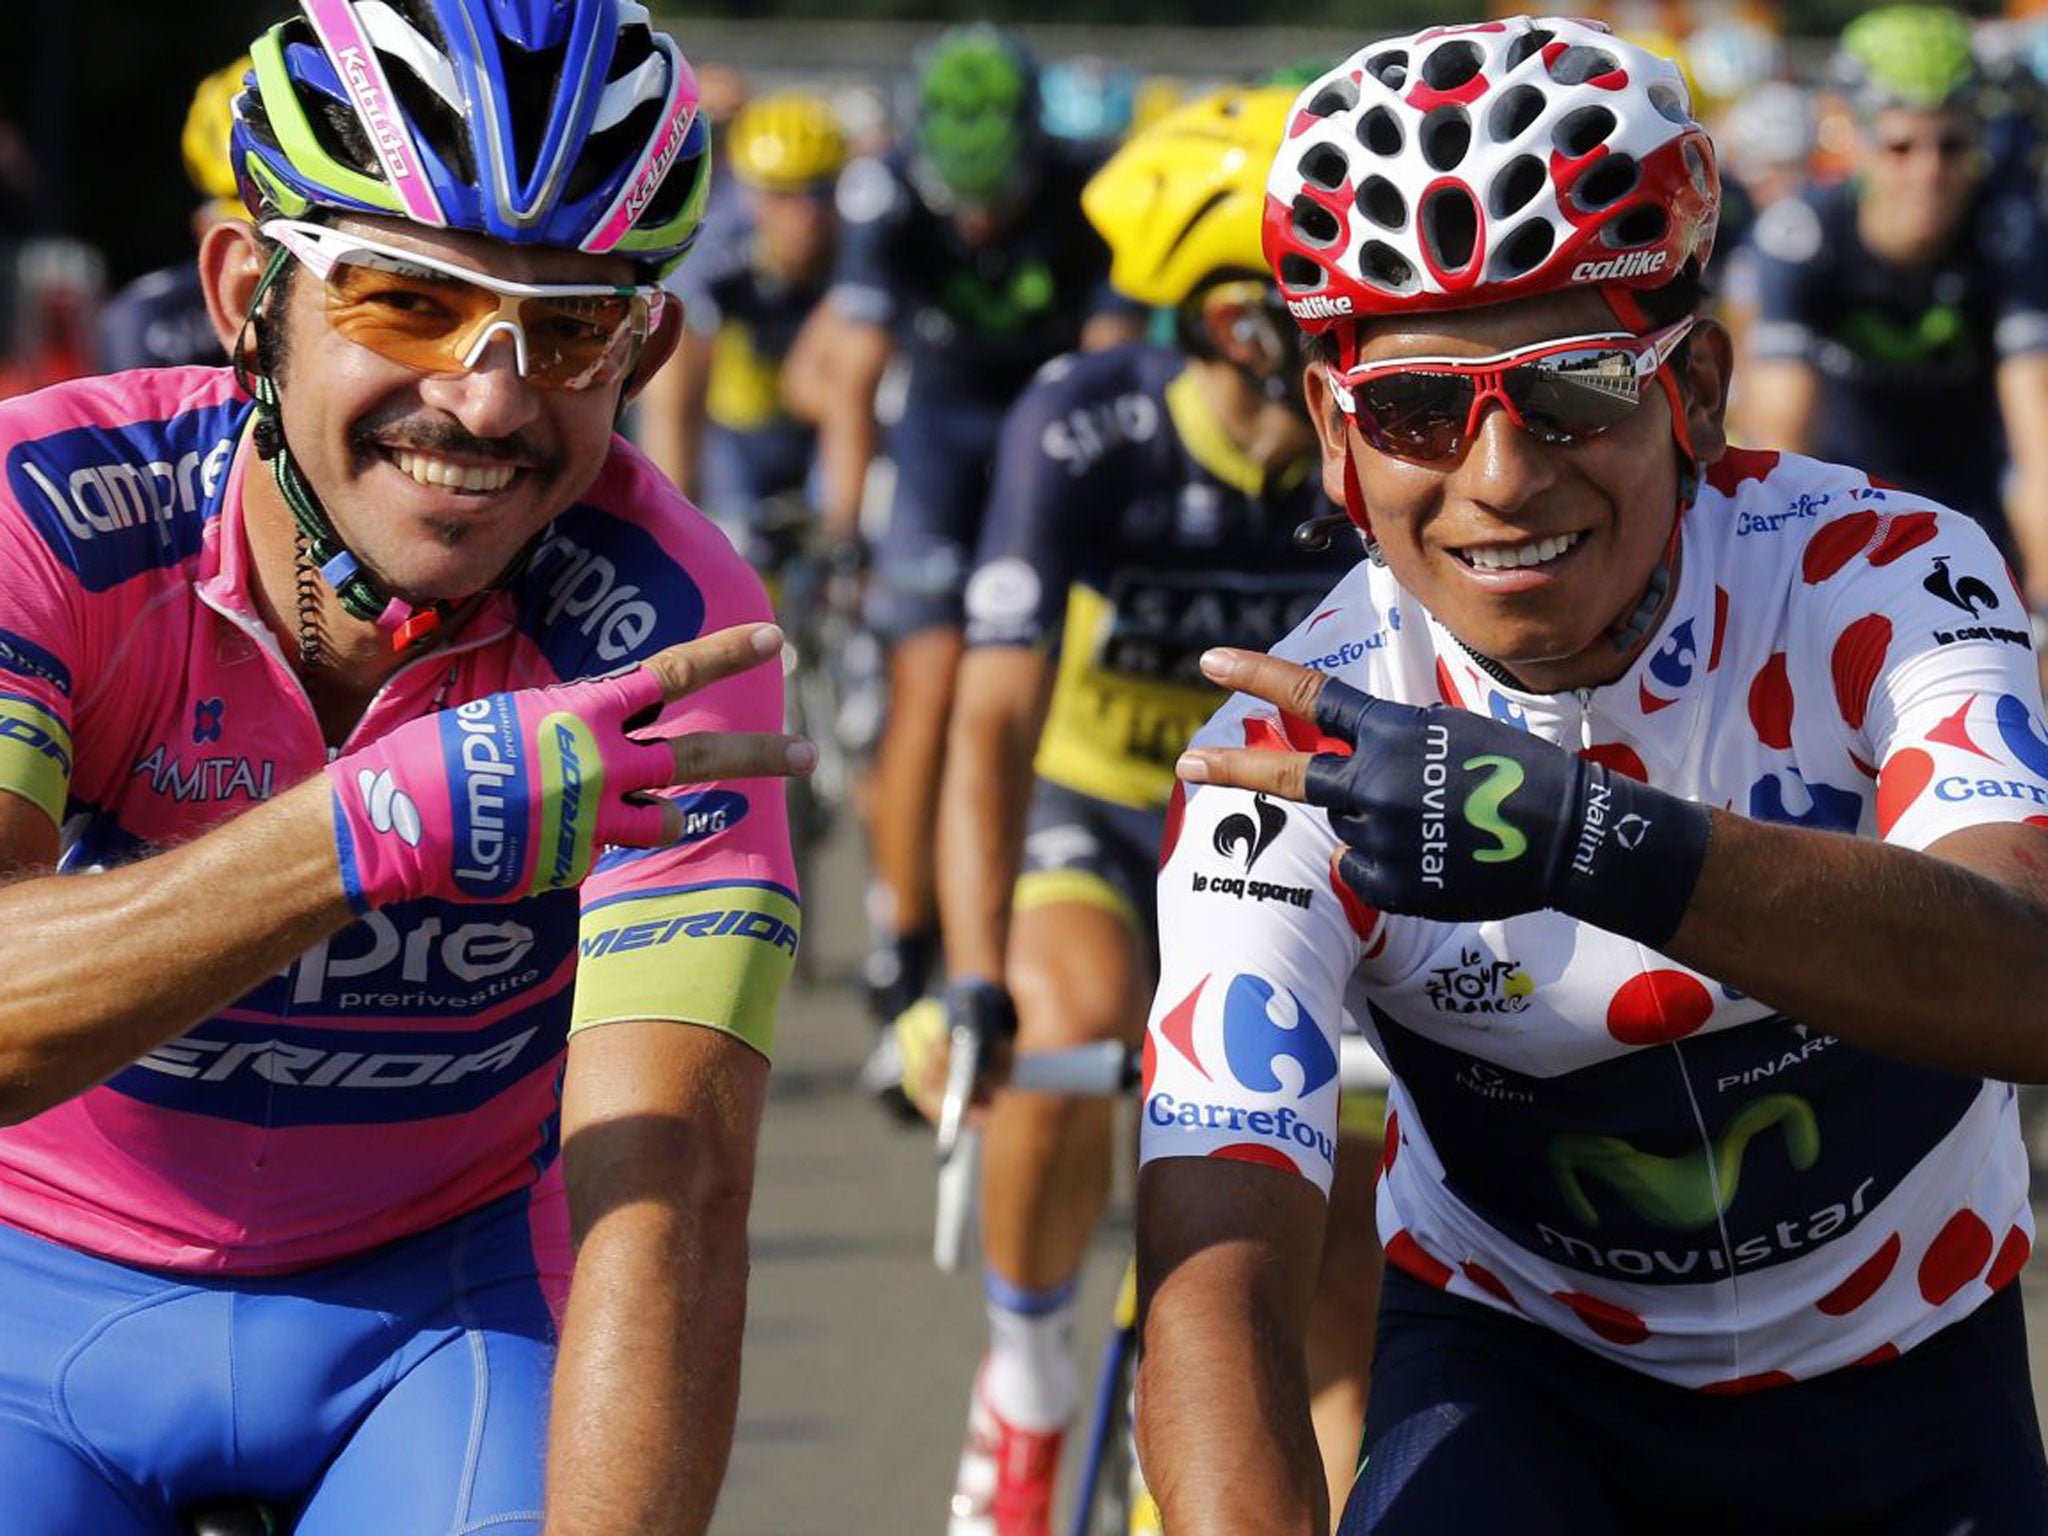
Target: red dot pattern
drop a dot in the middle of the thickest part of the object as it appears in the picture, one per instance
(1407, 1254)
(1901, 536)
(2012, 1258)
(1366, 921)
(1446, 689)
(1957, 1256)
(1490, 1283)
(1612, 1322)
(1742, 1386)
(1620, 757)
(1740, 464)
(1884, 1354)
(1657, 1007)
(1857, 659)
(1390, 1143)
(1836, 545)
(1770, 703)
(1904, 779)
(1255, 1152)
(1864, 1283)
(1176, 813)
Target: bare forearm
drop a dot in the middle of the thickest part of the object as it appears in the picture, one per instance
(2027, 513)
(982, 808)
(101, 969)
(647, 1383)
(1930, 961)
(1224, 1432)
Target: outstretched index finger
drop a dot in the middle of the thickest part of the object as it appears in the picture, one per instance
(698, 663)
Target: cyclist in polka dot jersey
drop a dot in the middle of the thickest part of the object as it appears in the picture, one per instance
(1669, 817)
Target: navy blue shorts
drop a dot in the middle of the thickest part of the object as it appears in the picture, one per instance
(1481, 1422)
(942, 450)
(404, 1392)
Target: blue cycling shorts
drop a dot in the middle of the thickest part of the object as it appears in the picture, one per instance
(1479, 1421)
(404, 1392)
(942, 449)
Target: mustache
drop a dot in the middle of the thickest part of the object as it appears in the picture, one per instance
(440, 435)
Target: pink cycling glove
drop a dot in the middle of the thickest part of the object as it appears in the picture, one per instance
(509, 795)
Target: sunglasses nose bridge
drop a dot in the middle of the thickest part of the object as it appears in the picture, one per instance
(1489, 386)
(505, 319)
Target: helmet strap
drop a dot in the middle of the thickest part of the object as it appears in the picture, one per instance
(318, 545)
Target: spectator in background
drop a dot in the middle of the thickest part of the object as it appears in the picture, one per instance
(159, 320)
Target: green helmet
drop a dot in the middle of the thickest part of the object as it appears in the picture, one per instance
(976, 111)
(1915, 56)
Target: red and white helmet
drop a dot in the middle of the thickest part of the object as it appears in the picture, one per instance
(1472, 165)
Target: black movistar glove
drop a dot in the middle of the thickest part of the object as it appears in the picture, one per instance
(1453, 815)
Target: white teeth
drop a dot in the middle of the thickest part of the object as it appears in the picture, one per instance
(445, 476)
(1497, 557)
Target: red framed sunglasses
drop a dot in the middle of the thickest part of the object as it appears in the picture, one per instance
(1559, 392)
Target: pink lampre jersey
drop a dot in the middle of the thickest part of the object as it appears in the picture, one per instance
(1584, 1132)
(404, 1070)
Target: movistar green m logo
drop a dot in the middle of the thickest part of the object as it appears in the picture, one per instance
(1482, 808)
(1690, 1190)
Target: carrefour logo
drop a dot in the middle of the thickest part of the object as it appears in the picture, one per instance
(1261, 1034)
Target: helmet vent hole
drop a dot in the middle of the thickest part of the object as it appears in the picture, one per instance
(1389, 68)
(1446, 135)
(1669, 100)
(1580, 133)
(1516, 186)
(1578, 64)
(1384, 268)
(1608, 182)
(1517, 108)
(1325, 166)
(1645, 224)
(1452, 64)
(1696, 168)
(1381, 201)
(1523, 251)
(1315, 224)
(1380, 131)
(1298, 272)
(1450, 226)
(1529, 43)
(1338, 95)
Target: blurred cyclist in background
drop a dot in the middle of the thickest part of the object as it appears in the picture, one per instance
(1088, 99)
(713, 419)
(160, 319)
(1902, 316)
(966, 257)
(1144, 507)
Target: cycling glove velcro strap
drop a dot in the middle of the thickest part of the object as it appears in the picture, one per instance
(1633, 858)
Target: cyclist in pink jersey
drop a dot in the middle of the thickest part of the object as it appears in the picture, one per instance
(391, 802)
(1671, 819)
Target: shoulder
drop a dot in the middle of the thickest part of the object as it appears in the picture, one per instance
(1083, 410)
(1795, 231)
(874, 190)
(1863, 574)
(631, 568)
(118, 474)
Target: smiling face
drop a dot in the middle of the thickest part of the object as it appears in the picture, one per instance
(1530, 554)
(437, 481)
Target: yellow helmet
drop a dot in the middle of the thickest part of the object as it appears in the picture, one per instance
(208, 122)
(786, 143)
(1181, 202)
